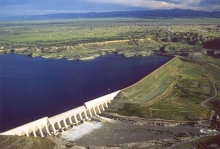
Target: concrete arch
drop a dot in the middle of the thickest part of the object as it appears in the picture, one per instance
(74, 119)
(69, 121)
(46, 131)
(79, 117)
(93, 110)
(30, 131)
(106, 104)
(39, 132)
(57, 125)
(89, 113)
(97, 109)
(63, 123)
(52, 128)
(85, 115)
(102, 106)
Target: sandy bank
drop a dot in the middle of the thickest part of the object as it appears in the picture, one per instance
(86, 58)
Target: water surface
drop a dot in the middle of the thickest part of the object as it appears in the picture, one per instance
(32, 88)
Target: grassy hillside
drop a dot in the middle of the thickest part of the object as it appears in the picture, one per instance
(174, 91)
(130, 99)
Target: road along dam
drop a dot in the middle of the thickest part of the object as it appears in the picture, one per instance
(51, 126)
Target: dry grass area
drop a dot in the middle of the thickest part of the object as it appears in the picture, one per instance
(21, 142)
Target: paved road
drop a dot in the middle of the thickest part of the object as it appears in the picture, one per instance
(207, 100)
(214, 65)
(216, 93)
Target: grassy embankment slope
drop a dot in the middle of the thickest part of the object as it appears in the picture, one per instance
(21, 142)
(174, 91)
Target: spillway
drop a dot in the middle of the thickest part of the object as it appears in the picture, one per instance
(52, 125)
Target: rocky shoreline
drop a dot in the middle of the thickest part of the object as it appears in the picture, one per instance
(56, 54)
(64, 52)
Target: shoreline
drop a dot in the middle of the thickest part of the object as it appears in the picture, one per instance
(88, 57)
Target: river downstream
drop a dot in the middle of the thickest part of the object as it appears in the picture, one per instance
(32, 88)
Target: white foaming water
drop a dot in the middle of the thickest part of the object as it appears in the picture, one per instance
(109, 120)
(81, 130)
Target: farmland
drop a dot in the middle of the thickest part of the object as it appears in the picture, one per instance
(79, 38)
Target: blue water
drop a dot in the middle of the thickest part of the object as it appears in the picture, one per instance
(32, 88)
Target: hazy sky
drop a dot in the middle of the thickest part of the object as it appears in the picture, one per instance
(29, 7)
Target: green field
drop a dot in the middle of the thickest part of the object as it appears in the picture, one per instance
(87, 37)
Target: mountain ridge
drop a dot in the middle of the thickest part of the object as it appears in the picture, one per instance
(158, 13)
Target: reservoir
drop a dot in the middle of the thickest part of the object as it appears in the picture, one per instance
(32, 88)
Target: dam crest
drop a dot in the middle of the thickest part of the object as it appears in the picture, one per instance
(52, 125)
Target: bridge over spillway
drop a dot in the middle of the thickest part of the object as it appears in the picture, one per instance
(49, 126)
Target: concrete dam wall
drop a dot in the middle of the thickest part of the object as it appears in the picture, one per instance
(51, 126)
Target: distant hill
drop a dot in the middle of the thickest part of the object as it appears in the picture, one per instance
(170, 13)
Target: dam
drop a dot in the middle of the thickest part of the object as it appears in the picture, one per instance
(52, 125)
(65, 95)
(47, 87)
